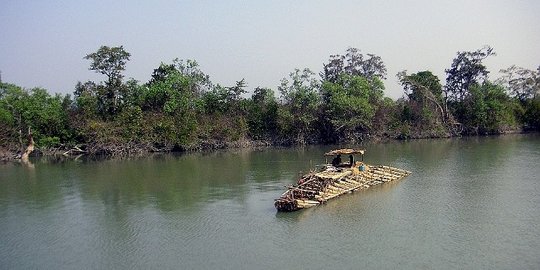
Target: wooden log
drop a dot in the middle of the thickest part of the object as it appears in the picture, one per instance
(305, 190)
(346, 185)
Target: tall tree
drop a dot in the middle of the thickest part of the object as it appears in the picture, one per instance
(425, 91)
(170, 83)
(352, 90)
(354, 63)
(262, 114)
(348, 110)
(300, 96)
(86, 100)
(522, 83)
(486, 110)
(467, 69)
(110, 61)
(198, 81)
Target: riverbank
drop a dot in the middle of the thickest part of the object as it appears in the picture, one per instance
(133, 149)
(130, 149)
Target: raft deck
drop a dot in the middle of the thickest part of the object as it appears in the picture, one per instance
(316, 188)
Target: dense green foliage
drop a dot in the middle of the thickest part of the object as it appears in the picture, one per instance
(423, 113)
(300, 104)
(45, 115)
(466, 70)
(179, 108)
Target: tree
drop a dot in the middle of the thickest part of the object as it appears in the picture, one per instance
(352, 90)
(263, 95)
(198, 81)
(174, 93)
(110, 61)
(162, 72)
(170, 82)
(466, 70)
(531, 116)
(300, 98)
(348, 109)
(486, 110)
(524, 85)
(225, 99)
(521, 83)
(354, 63)
(234, 93)
(86, 100)
(423, 109)
(10, 115)
(34, 109)
(168, 94)
(424, 90)
(262, 114)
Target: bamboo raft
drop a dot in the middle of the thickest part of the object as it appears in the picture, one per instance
(334, 180)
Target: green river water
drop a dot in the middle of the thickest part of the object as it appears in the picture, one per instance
(471, 203)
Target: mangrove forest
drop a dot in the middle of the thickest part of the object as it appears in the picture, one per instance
(181, 109)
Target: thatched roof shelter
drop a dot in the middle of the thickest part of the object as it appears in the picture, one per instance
(346, 151)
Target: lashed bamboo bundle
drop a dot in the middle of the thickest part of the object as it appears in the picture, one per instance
(316, 188)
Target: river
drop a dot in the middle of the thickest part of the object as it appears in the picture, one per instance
(471, 203)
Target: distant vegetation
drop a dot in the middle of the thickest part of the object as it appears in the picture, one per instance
(180, 108)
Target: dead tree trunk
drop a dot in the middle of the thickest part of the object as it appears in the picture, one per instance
(29, 148)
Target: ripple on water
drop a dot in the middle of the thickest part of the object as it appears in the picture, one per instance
(464, 207)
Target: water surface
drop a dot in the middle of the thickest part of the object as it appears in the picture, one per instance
(470, 203)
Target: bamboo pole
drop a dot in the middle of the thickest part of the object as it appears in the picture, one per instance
(317, 188)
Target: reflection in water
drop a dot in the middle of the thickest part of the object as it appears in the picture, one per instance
(470, 203)
(165, 181)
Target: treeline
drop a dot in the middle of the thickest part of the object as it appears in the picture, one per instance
(180, 108)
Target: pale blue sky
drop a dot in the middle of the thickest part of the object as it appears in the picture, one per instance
(42, 43)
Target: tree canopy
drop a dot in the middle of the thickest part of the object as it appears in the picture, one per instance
(180, 108)
(110, 61)
(467, 69)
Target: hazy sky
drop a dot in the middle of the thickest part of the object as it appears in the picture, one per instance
(42, 43)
